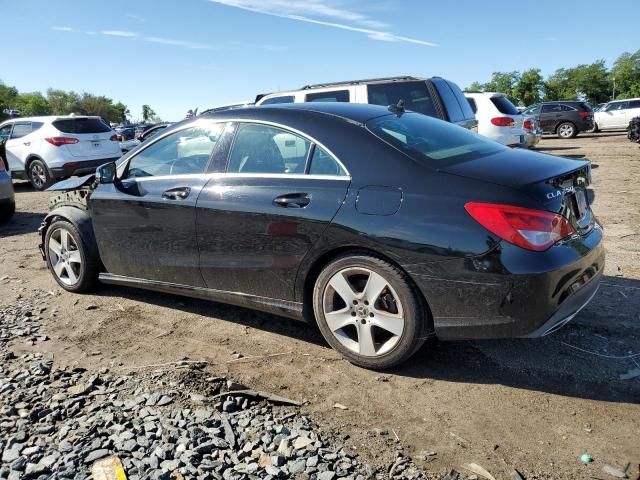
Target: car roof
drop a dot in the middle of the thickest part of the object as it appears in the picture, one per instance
(49, 118)
(355, 112)
(485, 94)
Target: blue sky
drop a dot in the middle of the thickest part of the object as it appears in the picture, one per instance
(181, 54)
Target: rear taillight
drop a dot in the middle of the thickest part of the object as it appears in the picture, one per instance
(58, 141)
(534, 230)
(585, 114)
(503, 121)
(114, 138)
(527, 125)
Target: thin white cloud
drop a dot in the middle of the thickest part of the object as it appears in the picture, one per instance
(135, 17)
(319, 12)
(62, 29)
(119, 33)
(178, 43)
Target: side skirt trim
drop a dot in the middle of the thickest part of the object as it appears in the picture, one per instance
(265, 304)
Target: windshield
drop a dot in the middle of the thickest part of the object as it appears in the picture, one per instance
(431, 141)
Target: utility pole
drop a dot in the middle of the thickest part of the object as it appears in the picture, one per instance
(613, 97)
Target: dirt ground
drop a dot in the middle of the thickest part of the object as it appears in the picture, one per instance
(535, 405)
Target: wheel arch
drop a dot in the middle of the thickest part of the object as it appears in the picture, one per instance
(78, 218)
(307, 283)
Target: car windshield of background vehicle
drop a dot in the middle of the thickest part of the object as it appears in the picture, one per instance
(415, 95)
(181, 153)
(81, 125)
(504, 105)
(432, 142)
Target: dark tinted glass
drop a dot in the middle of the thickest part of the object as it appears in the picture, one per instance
(20, 130)
(264, 149)
(634, 104)
(532, 110)
(5, 132)
(415, 95)
(432, 142)
(335, 96)
(551, 107)
(36, 125)
(81, 125)
(323, 164)
(504, 105)
(472, 104)
(454, 111)
(585, 107)
(567, 108)
(276, 100)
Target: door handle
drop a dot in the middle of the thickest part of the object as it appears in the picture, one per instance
(292, 200)
(26, 144)
(179, 193)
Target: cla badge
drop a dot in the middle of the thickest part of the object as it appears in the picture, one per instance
(557, 193)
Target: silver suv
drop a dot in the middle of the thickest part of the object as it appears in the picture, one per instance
(435, 96)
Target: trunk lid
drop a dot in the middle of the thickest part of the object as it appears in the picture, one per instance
(93, 135)
(558, 184)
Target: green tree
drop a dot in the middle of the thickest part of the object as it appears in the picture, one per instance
(475, 87)
(31, 104)
(591, 82)
(63, 103)
(8, 99)
(147, 113)
(122, 112)
(503, 82)
(528, 90)
(626, 72)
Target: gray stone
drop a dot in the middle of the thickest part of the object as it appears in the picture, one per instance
(96, 455)
(328, 475)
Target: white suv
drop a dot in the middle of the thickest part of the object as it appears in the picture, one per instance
(42, 149)
(499, 120)
(616, 114)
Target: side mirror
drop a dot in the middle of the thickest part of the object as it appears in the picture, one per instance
(106, 173)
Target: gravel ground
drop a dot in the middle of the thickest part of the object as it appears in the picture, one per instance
(535, 405)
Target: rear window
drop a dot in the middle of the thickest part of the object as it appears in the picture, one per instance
(276, 100)
(415, 95)
(472, 104)
(504, 105)
(432, 142)
(585, 107)
(634, 104)
(81, 125)
(335, 96)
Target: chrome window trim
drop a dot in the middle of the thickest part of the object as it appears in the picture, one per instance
(200, 121)
(222, 175)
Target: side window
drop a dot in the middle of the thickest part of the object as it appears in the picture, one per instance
(264, 149)
(335, 96)
(566, 108)
(634, 104)
(472, 104)
(20, 130)
(416, 96)
(323, 164)
(451, 104)
(183, 152)
(616, 106)
(276, 100)
(550, 108)
(534, 110)
(5, 132)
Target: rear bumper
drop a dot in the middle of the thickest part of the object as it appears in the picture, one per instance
(511, 292)
(82, 167)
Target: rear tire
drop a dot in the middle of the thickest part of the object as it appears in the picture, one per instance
(69, 259)
(38, 174)
(566, 130)
(367, 310)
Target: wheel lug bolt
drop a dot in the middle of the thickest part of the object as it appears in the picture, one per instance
(355, 302)
(353, 314)
(366, 302)
(371, 314)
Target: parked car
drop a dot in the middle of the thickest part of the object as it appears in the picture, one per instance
(42, 149)
(384, 226)
(617, 114)
(435, 97)
(126, 133)
(7, 198)
(150, 132)
(499, 120)
(564, 118)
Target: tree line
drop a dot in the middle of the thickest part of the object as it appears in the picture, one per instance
(61, 102)
(591, 82)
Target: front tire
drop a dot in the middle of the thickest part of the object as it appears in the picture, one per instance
(368, 311)
(7, 213)
(566, 130)
(39, 176)
(68, 258)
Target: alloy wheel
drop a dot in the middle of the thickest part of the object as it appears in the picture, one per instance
(363, 311)
(64, 257)
(565, 130)
(38, 175)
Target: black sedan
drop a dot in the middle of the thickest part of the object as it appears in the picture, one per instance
(384, 227)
